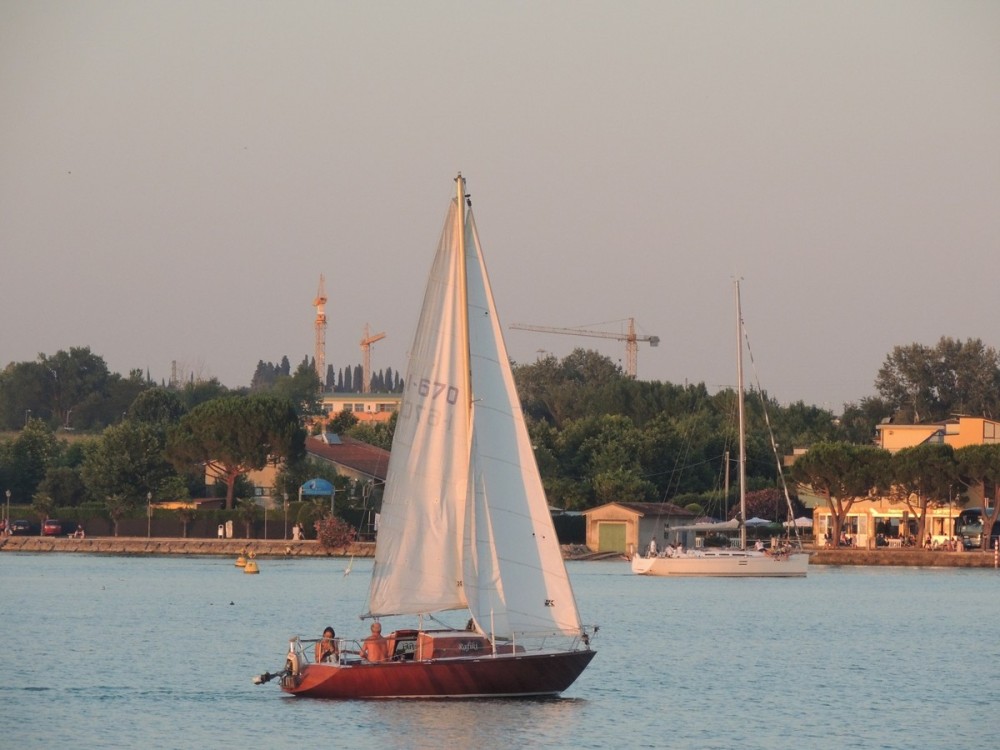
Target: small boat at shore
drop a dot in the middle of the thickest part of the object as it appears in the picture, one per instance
(464, 525)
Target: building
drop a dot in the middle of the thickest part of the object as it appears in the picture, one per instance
(957, 432)
(367, 407)
(627, 527)
(892, 519)
(351, 458)
(360, 462)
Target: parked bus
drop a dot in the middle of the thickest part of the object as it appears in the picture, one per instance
(969, 529)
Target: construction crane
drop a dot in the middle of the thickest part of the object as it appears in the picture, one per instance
(366, 354)
(630, 338)
(320, 355)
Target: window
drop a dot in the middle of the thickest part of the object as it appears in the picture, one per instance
(989, 432)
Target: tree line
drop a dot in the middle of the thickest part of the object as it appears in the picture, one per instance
(598, 434)
(344, 380)
(159, 450)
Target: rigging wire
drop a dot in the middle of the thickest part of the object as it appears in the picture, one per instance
(770, 434)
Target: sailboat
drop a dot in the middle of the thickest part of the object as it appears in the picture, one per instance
(740, 562)
(465, 524)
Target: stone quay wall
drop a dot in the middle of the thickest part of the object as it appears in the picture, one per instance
(916, 558)
(110, 545)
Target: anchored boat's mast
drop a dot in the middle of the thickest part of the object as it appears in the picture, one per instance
(742, 425)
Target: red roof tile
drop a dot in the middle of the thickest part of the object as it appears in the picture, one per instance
(351, 453)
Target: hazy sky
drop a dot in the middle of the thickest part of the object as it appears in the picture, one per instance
(175, 176)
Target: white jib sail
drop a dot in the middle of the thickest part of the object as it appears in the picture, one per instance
(514, 575)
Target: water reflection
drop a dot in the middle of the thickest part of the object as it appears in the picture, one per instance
(477, 723)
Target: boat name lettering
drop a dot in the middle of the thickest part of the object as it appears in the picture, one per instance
(469, 646)
(550, 603)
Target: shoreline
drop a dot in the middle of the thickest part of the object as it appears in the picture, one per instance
(287, 548)
(137, 546)
(261, 548)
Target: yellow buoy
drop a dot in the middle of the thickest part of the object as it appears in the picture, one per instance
(241, 561)
(251, 567)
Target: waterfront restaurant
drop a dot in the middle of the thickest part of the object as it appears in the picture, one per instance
(867, 519)
(893, 519)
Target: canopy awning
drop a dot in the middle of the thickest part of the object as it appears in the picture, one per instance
(802, 522)
(733, 525)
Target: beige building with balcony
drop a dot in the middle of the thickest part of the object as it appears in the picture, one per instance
(958, 433)
(869, 518)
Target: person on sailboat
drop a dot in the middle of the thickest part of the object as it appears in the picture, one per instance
(652, 547)
(374, 647)
(326, 647)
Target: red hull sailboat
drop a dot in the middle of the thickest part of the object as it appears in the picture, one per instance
(465, 525)
(507, 673)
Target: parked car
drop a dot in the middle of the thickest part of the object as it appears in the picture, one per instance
(55, 527)
(20, 526)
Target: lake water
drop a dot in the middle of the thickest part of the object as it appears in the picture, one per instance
(117, 652)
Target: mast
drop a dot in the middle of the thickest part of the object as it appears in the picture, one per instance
(464, 296)
(742, 425)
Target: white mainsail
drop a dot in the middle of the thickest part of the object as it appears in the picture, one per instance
(465, 522)
(418, 557)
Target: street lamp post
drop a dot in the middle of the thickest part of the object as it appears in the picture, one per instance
(149, 514)
(286, 515)
(7, 527)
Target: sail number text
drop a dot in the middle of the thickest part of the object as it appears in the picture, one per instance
(435, 392)
(425, 387)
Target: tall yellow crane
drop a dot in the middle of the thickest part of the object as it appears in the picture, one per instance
(366, 354)
(630, 338)
(320, 354)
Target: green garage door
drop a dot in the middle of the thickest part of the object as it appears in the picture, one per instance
(611, 537)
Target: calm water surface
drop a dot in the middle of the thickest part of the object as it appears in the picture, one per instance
(118, 652)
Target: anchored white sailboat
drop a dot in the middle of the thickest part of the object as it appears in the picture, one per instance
(741, 562)
(465, 524)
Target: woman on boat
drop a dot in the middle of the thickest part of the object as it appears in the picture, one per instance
(326, 647)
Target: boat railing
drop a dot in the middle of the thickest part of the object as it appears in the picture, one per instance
(305, 649)
(349, 650)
